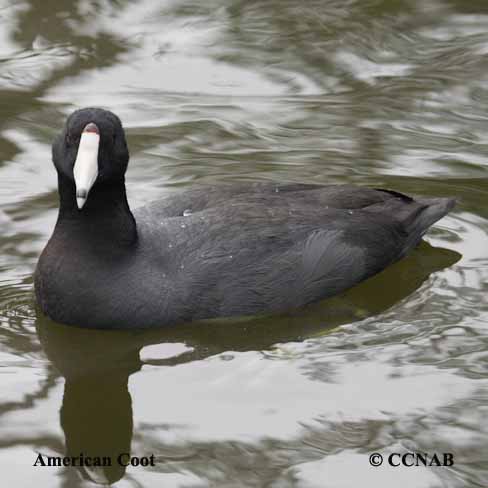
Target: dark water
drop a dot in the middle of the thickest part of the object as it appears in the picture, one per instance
(381, 93)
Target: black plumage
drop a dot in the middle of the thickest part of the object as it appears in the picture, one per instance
(215, 251)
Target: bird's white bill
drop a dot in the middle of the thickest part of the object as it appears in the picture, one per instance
(85, 170)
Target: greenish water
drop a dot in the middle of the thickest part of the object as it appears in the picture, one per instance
(379, 93)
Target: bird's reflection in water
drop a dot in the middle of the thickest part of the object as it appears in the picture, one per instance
(96, 414)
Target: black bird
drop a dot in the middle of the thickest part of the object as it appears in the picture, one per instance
(216, 251)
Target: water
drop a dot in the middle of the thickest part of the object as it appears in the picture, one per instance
(380, 93)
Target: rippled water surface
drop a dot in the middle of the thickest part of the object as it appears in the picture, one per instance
(379, 93)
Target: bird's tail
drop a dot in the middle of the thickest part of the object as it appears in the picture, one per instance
(429, 211)
(417, 213)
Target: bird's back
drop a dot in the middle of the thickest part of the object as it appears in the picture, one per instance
(264, 248)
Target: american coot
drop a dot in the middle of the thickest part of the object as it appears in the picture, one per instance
(217, 251)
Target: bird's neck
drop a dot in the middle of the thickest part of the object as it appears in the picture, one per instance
(105, 220)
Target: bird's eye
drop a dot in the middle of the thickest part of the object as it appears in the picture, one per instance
(70, 139)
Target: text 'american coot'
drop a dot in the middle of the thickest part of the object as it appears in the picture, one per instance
(217, 251)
